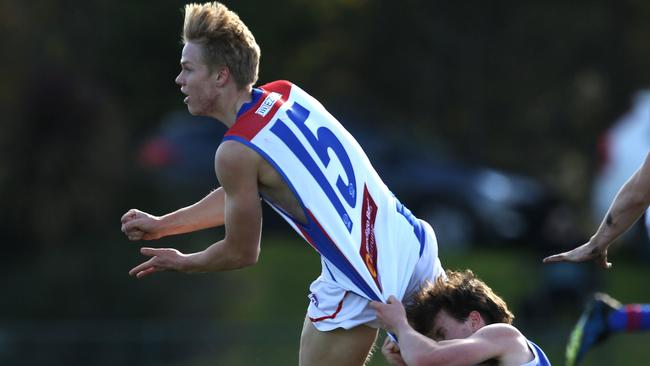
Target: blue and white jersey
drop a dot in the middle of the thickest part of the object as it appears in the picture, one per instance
(540, 357)
(368, 240)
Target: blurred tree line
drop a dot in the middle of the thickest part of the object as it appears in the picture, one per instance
(526, 86)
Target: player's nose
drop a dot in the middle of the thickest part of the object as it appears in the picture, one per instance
(178, 80)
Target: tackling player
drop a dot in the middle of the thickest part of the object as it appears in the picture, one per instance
(455, 322)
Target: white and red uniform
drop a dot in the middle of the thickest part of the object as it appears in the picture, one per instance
(370, 244)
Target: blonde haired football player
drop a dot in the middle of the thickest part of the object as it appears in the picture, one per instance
(285, 148)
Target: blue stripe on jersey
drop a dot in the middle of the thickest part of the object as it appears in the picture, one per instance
(418, 229)
(255, 96)
(320, 240)
(542, 360)
(286, 135)
(329, 250)
(330, 272)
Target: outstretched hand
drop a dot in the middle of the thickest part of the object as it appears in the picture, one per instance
(583, 253)
(164, 259)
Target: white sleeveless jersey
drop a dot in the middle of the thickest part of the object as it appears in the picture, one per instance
(368, 240)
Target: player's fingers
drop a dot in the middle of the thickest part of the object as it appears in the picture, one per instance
(131, 225)
(152, 262)
(603, 261)
(387, 347)
(387, 342)
(135, 235)
(374, 305)
(150, 251)
(391, 299)
(142, 267)
(148, 271)
(394, 347)
(555, 258)
(129, 215)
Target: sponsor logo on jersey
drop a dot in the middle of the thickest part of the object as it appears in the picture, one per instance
(267, 104)
(368, 249)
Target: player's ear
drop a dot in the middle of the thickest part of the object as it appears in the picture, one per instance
(476, 320)
(221, 76)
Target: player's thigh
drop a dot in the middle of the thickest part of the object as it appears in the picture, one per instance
(340, 347)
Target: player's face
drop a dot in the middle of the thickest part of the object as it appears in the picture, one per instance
(196, 81)
(447, 327)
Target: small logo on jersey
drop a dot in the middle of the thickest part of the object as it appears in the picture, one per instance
(313, 298)
(368, 249)
(267, 104)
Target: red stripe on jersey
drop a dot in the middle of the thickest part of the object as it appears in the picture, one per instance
(332, 316)
(252, 121)
(633, 316)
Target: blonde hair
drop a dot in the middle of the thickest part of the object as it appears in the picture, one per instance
(225, 39)
(459, 294)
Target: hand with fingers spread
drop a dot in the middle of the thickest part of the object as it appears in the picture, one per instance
(163, 259)
(139, 225)
(631, 201)
(583, 253)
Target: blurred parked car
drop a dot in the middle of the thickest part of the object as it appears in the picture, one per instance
(181, 151)
(465, 204)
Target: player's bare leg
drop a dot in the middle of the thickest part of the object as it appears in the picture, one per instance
(338, 347)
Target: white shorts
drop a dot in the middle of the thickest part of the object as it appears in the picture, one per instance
(332, 306)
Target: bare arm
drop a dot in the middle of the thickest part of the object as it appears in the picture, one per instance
(237, 168)
(206, 213)
(490, 342)
(629, 204)
(485, 344)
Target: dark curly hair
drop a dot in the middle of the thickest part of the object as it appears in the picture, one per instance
(458, 294)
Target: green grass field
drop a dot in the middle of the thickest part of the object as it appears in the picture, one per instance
(84, 308)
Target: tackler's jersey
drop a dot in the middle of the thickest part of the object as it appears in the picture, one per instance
(540, 357)
(368, 240)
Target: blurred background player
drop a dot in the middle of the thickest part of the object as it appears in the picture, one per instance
(458, 321)
(604, 315)
(283, 147)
